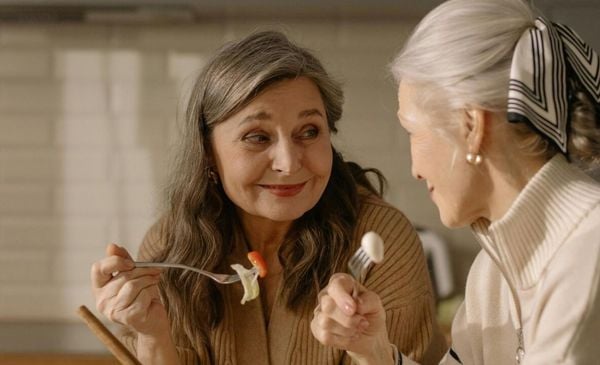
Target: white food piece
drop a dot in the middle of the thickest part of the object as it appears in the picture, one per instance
(249, 282)
(372, 244)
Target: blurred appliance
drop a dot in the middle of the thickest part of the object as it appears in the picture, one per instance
(438, 262)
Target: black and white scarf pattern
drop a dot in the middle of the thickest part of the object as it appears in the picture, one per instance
(538, 88)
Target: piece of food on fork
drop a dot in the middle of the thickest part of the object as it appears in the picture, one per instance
(370, 252)
(250, 277)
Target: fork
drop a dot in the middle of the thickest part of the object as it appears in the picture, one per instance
(359, 264)
(362, 260)
(219, 278)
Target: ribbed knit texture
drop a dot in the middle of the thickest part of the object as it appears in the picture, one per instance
(539, 271)
(402, 282)
(541, 218)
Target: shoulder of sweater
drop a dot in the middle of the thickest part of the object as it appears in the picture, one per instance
(576, 262)
(590, 223)
(373, 208)
(378, 216)
(389, 222)
(403, 275)
(482, 272)
(580, 253)
(570, 291)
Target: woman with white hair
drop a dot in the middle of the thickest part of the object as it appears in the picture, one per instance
(502, 109)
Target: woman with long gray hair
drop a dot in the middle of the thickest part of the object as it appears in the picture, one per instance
(257, 171)
(502, 108)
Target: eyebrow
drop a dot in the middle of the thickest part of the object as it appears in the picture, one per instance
(310, 113)
(263, 115)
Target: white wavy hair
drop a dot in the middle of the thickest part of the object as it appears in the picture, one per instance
(459, 56)
(460, 53)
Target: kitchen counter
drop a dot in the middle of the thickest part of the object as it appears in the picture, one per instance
(56, 359)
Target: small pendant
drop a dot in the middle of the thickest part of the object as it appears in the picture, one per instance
(520, 354)
(521, 349)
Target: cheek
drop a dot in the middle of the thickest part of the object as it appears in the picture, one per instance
(459, 194)
(319, 159)
(424, 152)
(416, 151)
(242, 170)
(236, 167)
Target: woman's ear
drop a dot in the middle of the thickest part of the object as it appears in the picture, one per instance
(474, 128)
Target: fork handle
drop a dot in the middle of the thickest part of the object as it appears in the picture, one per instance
(148, 264)
(158, 264)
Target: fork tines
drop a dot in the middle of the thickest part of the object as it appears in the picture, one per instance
(358, 263)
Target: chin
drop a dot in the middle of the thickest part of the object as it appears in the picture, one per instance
(452, 221)
(453, 225)
(284, 215)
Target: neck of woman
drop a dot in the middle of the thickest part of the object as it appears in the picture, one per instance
(509, 177)
(265, 236)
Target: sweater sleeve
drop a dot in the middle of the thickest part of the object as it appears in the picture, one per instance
(402, 281)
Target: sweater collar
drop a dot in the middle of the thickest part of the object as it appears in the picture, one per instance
(541, 218)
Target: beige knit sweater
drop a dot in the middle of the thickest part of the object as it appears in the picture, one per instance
(402, 282)
(539, 271)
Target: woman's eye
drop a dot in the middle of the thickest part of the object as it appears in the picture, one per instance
(309, 133)
(256, 138)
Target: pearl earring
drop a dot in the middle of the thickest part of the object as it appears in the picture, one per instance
(474, 159)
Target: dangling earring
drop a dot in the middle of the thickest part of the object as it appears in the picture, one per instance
(212, 176)
(474, 159)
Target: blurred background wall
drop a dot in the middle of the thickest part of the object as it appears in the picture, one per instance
(89, 110)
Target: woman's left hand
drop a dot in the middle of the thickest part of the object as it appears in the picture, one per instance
(355, 325)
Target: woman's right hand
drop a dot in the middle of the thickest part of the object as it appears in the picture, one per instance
(129, 295)
(357, 325)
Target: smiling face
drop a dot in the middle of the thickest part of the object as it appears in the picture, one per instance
(274, 156)
(439, 160)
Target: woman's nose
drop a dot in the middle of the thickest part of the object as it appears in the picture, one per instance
(287, 157)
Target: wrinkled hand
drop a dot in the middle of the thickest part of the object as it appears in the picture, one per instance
(355, 325)
(129, 295)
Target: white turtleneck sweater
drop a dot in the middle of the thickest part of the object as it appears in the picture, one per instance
(539, 271)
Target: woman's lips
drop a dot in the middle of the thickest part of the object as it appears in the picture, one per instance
(284, 190)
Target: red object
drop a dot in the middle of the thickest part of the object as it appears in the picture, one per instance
(258, 262)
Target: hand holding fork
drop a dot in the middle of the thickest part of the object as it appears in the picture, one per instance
(344, 321)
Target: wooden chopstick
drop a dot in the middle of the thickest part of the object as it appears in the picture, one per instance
(108, 339)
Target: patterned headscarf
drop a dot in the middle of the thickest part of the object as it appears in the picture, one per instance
(538, 90)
